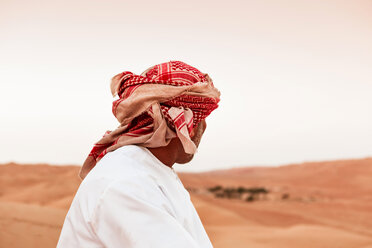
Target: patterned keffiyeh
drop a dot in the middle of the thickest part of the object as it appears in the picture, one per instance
(164, 102)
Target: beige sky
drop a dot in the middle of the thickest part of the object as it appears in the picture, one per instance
(295, 76)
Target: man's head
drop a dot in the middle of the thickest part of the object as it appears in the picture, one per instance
(164, 107)
(184, 95)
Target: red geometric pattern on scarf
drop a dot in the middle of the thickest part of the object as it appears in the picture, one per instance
(175, 73)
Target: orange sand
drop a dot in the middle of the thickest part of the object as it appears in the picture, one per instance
(329, 205)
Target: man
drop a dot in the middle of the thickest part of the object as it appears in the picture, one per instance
(130, 195)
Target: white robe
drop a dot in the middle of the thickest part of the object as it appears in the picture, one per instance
(131, 199)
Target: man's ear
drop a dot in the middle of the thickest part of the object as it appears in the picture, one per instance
(193, 132)
(196, 128)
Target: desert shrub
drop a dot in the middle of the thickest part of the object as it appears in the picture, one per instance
(241, 190)
(257, 190)
(228, 190)
(285, 196)
(250, 198)
(220, 195)
(215, 188)
(231, 192)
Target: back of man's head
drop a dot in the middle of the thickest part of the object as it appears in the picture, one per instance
(167, 101)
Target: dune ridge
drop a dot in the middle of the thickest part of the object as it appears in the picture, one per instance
(326, 204)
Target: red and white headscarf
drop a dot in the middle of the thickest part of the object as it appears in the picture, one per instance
(164, 102)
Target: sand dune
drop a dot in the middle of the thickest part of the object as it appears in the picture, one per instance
(327, 204)
(26, 225)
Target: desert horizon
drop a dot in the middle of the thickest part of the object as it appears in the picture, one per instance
(312, 204)
(294, 81)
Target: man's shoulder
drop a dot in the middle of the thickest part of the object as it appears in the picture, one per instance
(123, 163)
(107, 176)
(124, 170)
(131, 183)
(97, 187)
(133, 187)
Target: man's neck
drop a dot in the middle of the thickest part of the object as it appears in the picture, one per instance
(166, 154)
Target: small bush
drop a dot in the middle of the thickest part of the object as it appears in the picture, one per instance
(238, 193)
(285, 196)
(241, 190)
(220, 195)
(257, 190)
(250, 198)
(215, 188)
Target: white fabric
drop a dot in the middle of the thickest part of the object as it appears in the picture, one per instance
(131, 199)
